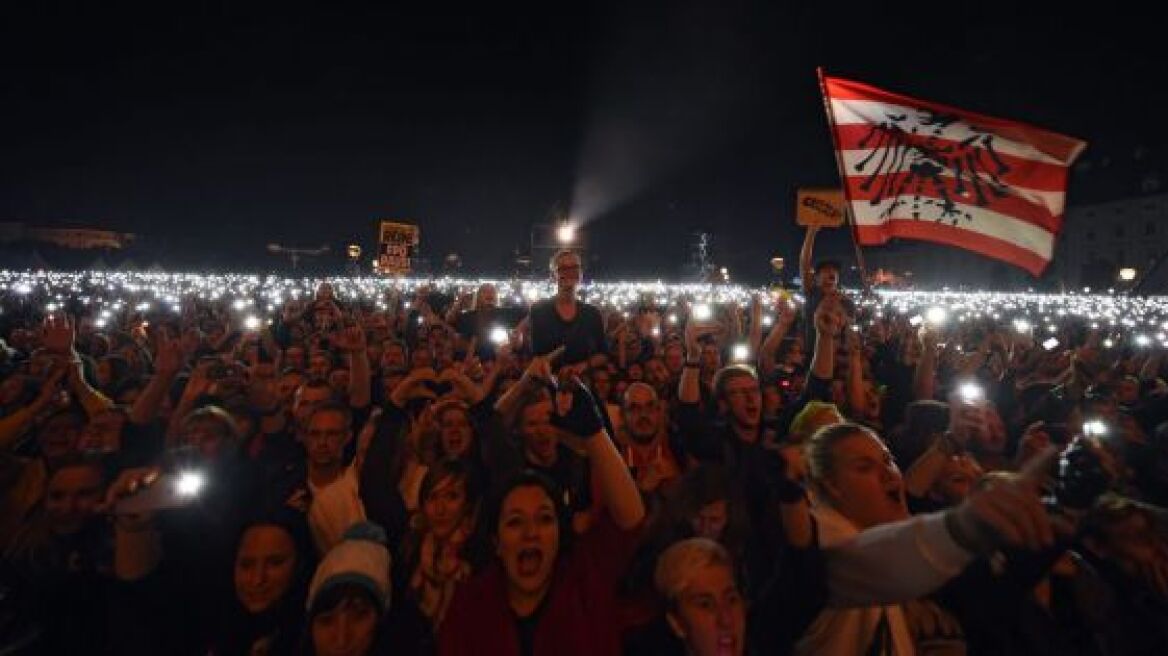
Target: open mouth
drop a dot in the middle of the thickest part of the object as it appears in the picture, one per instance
(726, 644)
(529, 561)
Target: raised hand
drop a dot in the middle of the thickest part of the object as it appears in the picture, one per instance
(829, 316)
(538, 373)
(58, 333)
(576, 411)
(350, 340)
(170, 354)
(1006, 512)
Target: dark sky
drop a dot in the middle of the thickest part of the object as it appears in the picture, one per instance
(214, 128)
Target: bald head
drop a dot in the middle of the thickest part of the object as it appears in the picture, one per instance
(642, 413)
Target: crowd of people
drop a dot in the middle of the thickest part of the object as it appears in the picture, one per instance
(458, 473)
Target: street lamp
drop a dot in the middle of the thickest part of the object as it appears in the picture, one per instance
(566, 233)
(778, 264)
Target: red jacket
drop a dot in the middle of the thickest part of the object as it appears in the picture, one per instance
(579, 614)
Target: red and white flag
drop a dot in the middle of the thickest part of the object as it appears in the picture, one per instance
(920, 170)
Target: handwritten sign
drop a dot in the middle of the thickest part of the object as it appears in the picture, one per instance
(820, 207)
(397, 244)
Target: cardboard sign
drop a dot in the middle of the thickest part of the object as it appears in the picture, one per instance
(820, 207)
(397, 244)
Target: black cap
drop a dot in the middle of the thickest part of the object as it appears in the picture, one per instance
(820, 265)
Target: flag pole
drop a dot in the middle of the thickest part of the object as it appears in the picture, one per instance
(839, 161)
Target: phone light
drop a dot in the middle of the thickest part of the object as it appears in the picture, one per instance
(741, 353)
(702, 312)
(937, 316)
(189, 484)
(1094, 428)
(971, 392)
(499, 335)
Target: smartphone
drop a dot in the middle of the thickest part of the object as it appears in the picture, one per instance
(971, 394)
(174, 490)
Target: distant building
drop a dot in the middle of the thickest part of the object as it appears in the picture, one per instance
(73, 238)
(1100, 239)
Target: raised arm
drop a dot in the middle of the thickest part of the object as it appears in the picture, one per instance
(360, 377)
(829, 320)
(168, 360)
(689, 388)
(924, 376)
(857, 396)
(537, 374)
(806, 255)
(770, 346)
(577, 412)
(13, 426)
(58, 334)
(754, 337)
(908, 559)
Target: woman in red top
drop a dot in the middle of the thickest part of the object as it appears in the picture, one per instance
(543, 595)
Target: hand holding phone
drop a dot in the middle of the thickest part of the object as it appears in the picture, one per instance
(160, 492)
(967, 412)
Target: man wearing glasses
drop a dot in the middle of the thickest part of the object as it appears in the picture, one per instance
(333, 500)
(564, 320)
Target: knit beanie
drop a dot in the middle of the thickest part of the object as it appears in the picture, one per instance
(360, 558)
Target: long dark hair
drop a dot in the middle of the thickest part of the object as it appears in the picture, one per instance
(489, 527)
(284, 620)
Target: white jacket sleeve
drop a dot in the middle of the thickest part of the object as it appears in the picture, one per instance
(893, 563)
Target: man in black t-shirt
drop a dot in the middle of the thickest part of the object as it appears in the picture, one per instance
(564, 320)
(484, 318)
(819, 279)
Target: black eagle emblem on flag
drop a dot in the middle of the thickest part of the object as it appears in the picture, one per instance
(914, 163)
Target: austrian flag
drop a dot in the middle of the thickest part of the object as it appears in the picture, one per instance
(919, 170)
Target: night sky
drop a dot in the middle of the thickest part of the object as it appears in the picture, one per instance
(212, 129)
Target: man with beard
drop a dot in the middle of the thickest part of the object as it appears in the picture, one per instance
(644, 440)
